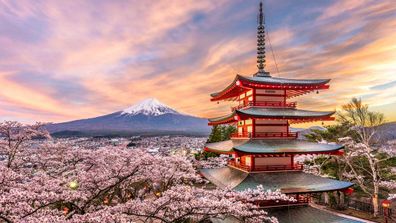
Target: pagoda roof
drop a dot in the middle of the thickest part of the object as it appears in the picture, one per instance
(300, 214)
(283, 81)
(307, 214)
(271, 146)
(289, 182)
(295, 86)
(260, 112)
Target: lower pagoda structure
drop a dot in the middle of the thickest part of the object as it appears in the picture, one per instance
(263, 149)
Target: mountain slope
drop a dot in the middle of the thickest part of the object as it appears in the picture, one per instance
(146, 117)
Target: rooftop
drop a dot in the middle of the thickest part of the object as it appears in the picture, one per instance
(272, 146)
(300, 214)
(294, 87)
(283, 113)
(308, 214)
(287, 182)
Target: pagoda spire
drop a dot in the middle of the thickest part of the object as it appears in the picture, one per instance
(261, 45)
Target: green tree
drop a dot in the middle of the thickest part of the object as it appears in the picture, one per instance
(220, 133)
(364, 161)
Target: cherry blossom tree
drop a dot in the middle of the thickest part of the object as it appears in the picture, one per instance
(211, 162)
(366, 159)
(391, 196)
(14, 136)
(363, 156)
(56, 183)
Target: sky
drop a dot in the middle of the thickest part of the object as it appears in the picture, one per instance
(66, 60)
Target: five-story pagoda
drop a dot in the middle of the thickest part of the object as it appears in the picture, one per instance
(263, 148)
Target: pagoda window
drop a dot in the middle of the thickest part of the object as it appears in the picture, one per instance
(250, 129)
(250, 92)
(248, 122)
(248, 160)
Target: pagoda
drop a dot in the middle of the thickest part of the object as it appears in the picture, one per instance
(263, 149)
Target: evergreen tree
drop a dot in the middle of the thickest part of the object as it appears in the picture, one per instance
(215, 135)
(220, 133)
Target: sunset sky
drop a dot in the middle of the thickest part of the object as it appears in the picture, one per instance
(65, 60)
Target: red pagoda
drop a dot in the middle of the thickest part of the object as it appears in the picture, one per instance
(263, 148)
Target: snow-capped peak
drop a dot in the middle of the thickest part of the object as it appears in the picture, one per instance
(150, 106)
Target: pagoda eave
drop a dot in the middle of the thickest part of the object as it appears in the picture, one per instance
(260, 154)
(272, 147)
(295, 182)
(242, 116)
(206, 149)
(291, 120)
(293, 87)
(292, 115)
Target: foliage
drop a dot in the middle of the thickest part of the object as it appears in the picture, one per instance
(367, 161)
(364, 122)
(205, 155)
(14, 137)
(221, 133)
(57, 183)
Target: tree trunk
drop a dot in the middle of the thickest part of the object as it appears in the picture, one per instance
(342, 200)
(326, 198)
(375, 204)
(337, 198)
(375, 196)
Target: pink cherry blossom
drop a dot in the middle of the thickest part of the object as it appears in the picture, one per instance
(52, 182)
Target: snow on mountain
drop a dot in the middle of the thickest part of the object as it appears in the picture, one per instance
(150, 106)
(146, 117)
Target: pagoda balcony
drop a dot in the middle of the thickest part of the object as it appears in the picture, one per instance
(292, 135)
(278, 104)
(245, 167)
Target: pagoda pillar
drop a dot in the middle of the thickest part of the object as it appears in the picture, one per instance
(253, 162)
(253, 127)
(292, 161)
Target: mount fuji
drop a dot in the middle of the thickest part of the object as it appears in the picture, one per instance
(147, 117)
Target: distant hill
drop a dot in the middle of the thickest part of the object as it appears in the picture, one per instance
(148, 117)
(388, 130)
(302, 131)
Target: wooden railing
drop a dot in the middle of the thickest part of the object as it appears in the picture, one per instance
(239, 165)
(275, 134)
(266, 104)
(278, 167)
(266, 167)
(265, 135)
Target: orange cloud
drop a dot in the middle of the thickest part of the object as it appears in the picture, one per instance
(114, 54)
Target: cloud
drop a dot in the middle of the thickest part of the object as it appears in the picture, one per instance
(68, 60)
